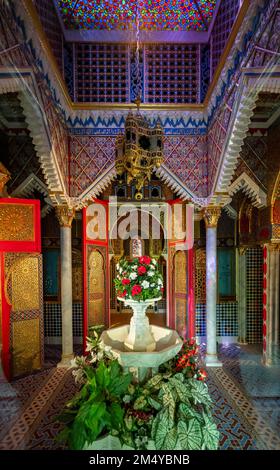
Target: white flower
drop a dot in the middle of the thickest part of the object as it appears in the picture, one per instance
(152, 267)
(153, 284)
(150, 273)
(120, 270)
(117, 266)
(133, 276)
(78, 374)
(160, 283)
(145, 284)
(154, 261)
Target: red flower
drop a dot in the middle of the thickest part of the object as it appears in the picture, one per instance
(202, 374)
(145, 260)
(124, 293)
(125, 282)
(162, 289)
(142, 270)
(136, 290)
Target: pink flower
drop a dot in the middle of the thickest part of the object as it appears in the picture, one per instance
(125, 282)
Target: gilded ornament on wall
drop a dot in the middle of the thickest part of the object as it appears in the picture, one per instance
(26, 346)
(17, 222)
(25, 286)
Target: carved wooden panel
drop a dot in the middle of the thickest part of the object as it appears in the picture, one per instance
(96, 288)
(180, 291)
(200, 275)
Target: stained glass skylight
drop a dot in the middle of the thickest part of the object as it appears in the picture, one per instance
(154, 15)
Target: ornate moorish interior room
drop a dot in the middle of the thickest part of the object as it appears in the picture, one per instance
(139, 224)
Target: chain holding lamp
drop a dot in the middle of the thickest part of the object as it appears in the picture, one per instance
(139, 151)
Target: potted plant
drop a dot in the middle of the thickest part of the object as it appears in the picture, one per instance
(172, 410)
(96, 413)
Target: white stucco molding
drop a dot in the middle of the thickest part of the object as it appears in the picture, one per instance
(230, 211)
(250, 188)
(240, 121)
(29, 96)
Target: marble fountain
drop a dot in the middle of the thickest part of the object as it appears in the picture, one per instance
(141, 347)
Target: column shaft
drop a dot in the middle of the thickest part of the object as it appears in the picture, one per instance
(66, 293)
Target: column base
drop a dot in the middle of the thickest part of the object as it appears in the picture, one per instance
(211, 360)
(65, 361)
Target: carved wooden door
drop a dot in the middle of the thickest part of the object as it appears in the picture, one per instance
(21, 292)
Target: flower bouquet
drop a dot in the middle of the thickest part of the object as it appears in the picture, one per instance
(139, 279)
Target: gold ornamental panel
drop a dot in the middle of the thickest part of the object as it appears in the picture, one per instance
(96, 289)
(25, 293)
(200, 275)
(180, 272)
(26, 346)
(17, 222)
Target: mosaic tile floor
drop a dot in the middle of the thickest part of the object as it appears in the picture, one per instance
(245, 395)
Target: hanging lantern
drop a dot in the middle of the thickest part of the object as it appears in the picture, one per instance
(139, 151)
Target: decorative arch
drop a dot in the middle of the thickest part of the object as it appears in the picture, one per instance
(250, 188)
(39, 131)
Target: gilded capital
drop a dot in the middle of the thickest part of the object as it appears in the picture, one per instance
(211, 216)
(5, 176)
(273, 246)
(65, 215)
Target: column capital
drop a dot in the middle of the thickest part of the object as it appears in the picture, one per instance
(273, 246)
(211, 216)
(242, 250)
(65, 215)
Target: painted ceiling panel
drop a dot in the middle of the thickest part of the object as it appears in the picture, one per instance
(154, 15)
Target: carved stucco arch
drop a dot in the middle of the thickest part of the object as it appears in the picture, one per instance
(250, 188)
(240, 121)
(37, 124)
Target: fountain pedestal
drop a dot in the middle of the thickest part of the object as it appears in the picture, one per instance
(140, 337)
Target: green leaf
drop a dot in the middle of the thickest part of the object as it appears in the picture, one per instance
(94, 415)
(168, 400)
(115, 369)
(102, 375)
(187, 412)
(119, 385)
(117, 414)
(189, 434)
(182, 390)
(78, 436)
(154, 403)
(162, 429)
(170, 440)
(200, 392)
(210, 434)
(154, 382)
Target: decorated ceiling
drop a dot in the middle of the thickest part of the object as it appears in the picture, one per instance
(154, 15)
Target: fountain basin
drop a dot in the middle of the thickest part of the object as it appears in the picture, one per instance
(167, 344)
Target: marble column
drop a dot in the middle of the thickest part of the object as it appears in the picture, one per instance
(65, 216)
(211, 216)
(271, 304)
(241, 294)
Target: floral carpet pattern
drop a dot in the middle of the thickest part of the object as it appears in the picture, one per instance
(245, 394)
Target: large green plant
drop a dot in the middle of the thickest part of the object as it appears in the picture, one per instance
(97, 409)
(184, 420)
(173, 411)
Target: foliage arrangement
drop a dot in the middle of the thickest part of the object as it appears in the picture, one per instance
(138, 279)
(171, 410)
